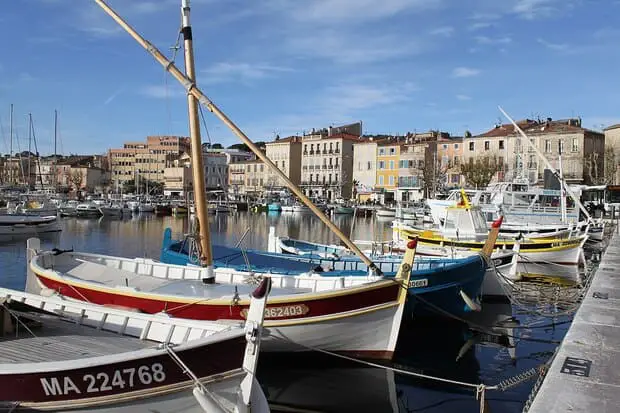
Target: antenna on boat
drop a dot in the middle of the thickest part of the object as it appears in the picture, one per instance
(192, 90)
(206, 256)
(548, 164)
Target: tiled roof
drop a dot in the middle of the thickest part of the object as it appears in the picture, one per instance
(531, 127)
(616, 126)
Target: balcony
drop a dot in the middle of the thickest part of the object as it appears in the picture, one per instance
(331, 151)
(337, 151)
(311, 152)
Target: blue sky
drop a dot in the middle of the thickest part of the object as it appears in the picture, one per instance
(285, 66)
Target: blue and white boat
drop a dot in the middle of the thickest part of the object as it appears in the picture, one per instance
(436, 286)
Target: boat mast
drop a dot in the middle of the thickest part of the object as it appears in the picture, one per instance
(11, 179)
(29, 146)
(549, 166)
(562, 193)
(193, 90)
(200, 196)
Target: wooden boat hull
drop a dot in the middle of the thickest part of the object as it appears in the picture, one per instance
(308, 318)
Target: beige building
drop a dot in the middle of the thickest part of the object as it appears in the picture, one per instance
(247, 177)
(582, 150)
(146, 160)
(612, 139)
(286, 155)
(449, 159)
(365, 168)
(178, 178)
(327, 164)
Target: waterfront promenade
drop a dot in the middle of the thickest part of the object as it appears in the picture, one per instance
(585, 374)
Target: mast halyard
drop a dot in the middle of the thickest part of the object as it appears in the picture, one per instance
(200, 197)
(192, 89)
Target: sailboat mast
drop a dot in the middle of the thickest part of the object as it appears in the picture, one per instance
(191, 88)
(200, 197)
(11, 145)
(562, 193)
(29, 146)
(55, 177)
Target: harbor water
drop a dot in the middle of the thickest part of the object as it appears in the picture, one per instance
(494, 346)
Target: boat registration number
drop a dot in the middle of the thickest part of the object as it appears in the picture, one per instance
(423, 282)
(104, 382)
(283, 311)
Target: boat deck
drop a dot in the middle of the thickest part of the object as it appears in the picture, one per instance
(58, 340)
(584, 374)
(124, 279)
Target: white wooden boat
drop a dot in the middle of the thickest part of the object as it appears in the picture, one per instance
(58, 354)
(68, 209)
(304, 311)
(41, 208)
(114, 211)
(32, 225)
(146, 207)
(301, 209)
(386, 212)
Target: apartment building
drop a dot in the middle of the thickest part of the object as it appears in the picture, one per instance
(388, 157)
(286, 155)
(365, 168)
(612, 140)
(327, 164)
(178, 177)
(582, 150)
(449, 159)
(247, 177)
(146, 160)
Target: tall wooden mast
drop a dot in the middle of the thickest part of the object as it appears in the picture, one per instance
(202, 216)
(193, 90)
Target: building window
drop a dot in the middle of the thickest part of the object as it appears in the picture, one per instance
(391, 180)
(336, 178)
(391, 164)
(487, 145)
(471, 146)
(456, 161)
(575, 147)
(392, 151)
(381, 180)
(501, 144)
(547, 146)
(369, 165)
(456, 146)
(381, 164)
(561, 146)
(382, 151)
(445, 146)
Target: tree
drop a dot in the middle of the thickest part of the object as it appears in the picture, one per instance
(600, 172)
(240, 147)
(217, 146)
(479, 172)
(76, 178)
(129, 187)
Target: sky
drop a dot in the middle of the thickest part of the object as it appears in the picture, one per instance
(287, 66)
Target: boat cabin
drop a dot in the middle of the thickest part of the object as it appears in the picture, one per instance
(464, 222)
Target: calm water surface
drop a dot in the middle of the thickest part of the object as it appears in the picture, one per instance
(485, 353)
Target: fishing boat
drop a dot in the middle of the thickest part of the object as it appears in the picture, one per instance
(61, 355)
(88, 210)
(68, 209)
(16, 225)
(112, 210)
(303, 312)
(386, 212)
(464, 229)
(343, 210)
(301, 209)
(147, 207)
(179, 210)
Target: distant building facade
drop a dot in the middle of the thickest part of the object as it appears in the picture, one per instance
(286, 155)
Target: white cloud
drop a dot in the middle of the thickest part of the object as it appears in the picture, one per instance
(162, 91)
(227, 71)
(350, 11)
(534, 9)
(348, 98)
(351, 48)
(479, 26)
(445, 31)
(465, 72)
(463, 97)
(493, 40)
(558, 47)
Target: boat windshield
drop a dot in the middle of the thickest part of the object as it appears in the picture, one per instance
(480, 224)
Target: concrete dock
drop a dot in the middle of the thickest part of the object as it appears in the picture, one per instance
(585, 374)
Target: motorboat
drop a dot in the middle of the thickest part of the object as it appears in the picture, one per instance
(146, 207)
(78, 356)
(19, 225)
(301, 209)
(88, 210)
(68, 209)
(385, 212)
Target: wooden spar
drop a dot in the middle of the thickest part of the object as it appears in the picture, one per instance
(202, 98)
(551, 168)
(200, 197)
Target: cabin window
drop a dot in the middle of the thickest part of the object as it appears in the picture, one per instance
(449, 222)
(480, 224)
